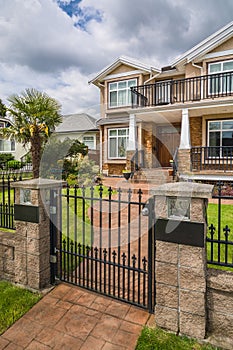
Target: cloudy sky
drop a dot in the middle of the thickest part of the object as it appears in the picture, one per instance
(56, 46)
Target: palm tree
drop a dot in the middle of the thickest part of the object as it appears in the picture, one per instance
(34, 115)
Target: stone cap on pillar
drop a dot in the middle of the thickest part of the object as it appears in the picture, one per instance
(39, 183)
(183, 189)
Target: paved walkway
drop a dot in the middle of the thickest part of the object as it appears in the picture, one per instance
(71, 318)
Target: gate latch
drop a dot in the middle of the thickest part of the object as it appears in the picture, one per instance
(53, 259)
(53, 210)
(145, 210)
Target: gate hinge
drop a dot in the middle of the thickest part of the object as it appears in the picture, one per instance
(53, 259)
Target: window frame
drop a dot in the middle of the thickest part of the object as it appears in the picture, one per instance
(94, 141)
(220, 130)
(127, 89)
(117, 137)
(221, 71)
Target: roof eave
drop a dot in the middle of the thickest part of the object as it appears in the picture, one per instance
(121, 60)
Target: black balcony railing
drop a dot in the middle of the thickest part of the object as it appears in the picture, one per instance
(183, 90)
(212, 158)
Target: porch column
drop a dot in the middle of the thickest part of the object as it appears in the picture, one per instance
(184, 161)
(131, 147)
(185, 130)
(132, 133)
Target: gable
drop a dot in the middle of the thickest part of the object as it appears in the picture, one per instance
(123, 68)
(227, 45)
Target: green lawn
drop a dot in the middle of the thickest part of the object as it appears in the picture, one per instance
(76, 224)
(226, 219)
(14, 302)
(157, 339)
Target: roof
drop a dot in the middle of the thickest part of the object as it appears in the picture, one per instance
(123, 60)
(77, 123)
(206, 45)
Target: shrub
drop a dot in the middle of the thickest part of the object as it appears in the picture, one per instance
(14, 164)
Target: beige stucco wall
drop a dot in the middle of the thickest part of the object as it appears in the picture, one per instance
(76, 136)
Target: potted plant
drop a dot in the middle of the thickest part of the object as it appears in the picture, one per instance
(127, 174)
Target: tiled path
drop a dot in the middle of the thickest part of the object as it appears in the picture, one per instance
(71, 318)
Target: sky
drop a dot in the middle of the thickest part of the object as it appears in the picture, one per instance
(57, 46)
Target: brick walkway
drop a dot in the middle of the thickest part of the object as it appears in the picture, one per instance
(71, 318)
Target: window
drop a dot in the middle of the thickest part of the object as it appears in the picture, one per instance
(120, 94)
(7, 146)
(117, 142)
(221, 80)
(220, 133)
(89, 141)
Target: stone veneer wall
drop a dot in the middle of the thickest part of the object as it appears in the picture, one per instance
(7, 256)
(220, 306)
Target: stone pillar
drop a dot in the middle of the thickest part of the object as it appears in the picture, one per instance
(181, 257)
(184, 161)
(32, 237)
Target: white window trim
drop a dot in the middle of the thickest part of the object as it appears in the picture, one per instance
(218, 72)
(117, 129)
(94, 137)
(220, 130)
(117, 82)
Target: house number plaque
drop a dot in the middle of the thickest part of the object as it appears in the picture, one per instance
(178, 208)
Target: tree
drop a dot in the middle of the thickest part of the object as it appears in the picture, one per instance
(60, 157)
(34, 115)
(3, 109)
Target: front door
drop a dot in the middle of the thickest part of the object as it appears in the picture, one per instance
(168, 139)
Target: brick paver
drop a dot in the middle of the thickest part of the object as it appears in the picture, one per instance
(71, 318)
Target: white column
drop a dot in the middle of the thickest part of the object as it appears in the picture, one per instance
(132, 133)
(185, 130)
(101, 149)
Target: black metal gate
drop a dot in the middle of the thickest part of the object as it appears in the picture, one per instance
(106, 243)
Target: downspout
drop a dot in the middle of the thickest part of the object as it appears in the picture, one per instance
(197, 66)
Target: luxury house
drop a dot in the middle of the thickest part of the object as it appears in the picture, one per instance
(151, 117)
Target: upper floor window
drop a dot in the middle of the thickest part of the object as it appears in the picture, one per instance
(220, 134)
(89, 141)
(222, 80)
(120, 94)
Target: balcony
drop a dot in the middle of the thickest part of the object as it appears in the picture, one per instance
(212, 158)
(183, 90)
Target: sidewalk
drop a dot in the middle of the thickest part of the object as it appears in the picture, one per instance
(71, 318)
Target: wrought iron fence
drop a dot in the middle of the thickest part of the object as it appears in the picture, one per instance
(7, 200)
(220, 236)
(106, 243)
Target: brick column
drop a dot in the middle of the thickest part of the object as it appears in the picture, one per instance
(180, 260)
(32, 238)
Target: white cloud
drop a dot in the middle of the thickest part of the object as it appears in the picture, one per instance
(41, 47)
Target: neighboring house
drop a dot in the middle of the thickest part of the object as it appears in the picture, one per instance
(10, 146)
(184, 111)
(80, 127)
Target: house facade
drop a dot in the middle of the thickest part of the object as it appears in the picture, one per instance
(82, 127)
(11, 146)
(182, 112)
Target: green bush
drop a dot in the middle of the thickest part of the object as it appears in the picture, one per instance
(14, 164)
